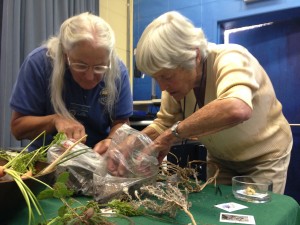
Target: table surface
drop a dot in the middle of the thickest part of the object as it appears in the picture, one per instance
(281, 210)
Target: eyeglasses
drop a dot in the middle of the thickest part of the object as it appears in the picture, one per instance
(81, 67)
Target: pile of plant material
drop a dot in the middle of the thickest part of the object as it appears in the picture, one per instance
(165, 198)
(22, 166)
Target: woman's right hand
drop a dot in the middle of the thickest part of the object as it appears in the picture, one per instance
(72, 128)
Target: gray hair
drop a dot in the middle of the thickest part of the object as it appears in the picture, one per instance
(83, 27)
(170, 41)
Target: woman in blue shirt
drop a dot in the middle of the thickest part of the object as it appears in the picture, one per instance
(75, 84)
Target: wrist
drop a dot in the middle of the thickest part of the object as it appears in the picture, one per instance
(174, 130)
(53, 125)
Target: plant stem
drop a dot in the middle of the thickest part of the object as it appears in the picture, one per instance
(29, 197)
(20, 154)
(190, 215)
(56, 161)
(74, 154)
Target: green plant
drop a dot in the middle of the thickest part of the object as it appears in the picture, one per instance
(22, 166)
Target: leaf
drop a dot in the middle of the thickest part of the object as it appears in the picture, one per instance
(58, 222)
(47, 193)
(61, 190)
(62, 211)
(63, 177)
(59, 137)
(4, 155)
(125, 208)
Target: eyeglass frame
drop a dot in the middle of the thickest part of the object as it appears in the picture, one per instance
(87, 67)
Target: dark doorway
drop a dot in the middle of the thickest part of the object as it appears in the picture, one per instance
(276, 46)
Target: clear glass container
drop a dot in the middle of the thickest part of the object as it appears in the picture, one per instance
(252, 189)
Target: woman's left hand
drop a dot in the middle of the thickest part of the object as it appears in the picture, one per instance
(102, 146)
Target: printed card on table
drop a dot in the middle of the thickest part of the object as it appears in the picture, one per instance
(237, 218)
(231, 206)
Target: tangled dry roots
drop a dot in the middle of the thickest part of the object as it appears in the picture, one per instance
(187, 178)
(172, 193)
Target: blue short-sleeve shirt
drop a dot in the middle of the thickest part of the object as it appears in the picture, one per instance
(31, 96)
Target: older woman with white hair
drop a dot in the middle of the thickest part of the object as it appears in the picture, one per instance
(218, 94)
(75, 84)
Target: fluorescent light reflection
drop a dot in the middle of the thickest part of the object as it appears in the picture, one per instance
(235, 30)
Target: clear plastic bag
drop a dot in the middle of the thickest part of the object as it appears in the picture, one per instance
(89, 174)
(131, 150)
(81, 168)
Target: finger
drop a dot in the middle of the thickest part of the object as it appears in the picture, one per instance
(78, 127)
(76, 134)
(160, 158)
(68, 133)
(113, 162)
(111, 165)
(84, 139)
(122, 171)
(148, 165)
(102, 146)
(117, 163)
(151, 150)
(97, 148)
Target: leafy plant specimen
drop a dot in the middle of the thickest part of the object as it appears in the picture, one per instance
(125, 208)
(22, 166)
(89, 213)
(165, 198)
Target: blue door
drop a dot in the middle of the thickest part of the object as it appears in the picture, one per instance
(277, 48)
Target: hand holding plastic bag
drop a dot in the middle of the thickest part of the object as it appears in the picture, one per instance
(131, 154)
(130, 163)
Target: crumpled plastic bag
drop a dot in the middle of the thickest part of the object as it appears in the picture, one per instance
(130, 149)
(81, 168)
(89, 173)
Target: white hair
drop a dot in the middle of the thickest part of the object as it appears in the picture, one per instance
(169, 41)
(83, 27)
